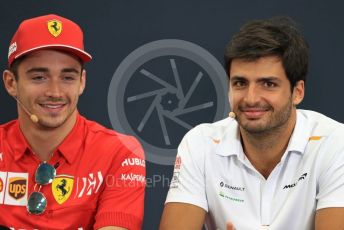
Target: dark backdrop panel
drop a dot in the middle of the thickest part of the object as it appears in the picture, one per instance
(113, 29)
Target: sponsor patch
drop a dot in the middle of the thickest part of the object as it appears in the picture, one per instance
(178, 162)
(176, 172)
(62, 187)
(133, 162)
(16, 189)
(175, 180)
(55, 27)
(302, 177)
(3, 176)
(232, 187)
(236, 199)
(12, 49)
(1, 185)
(133, 177)
(88, 185)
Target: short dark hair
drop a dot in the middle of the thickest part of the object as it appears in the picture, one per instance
(276, 36)
(14, 66)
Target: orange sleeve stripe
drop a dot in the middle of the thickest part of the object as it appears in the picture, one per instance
(314, 138)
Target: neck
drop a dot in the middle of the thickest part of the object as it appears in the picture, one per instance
(43, 140)
(265, 150)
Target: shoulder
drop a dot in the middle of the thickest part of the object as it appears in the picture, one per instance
(321, 125)
(325, 135)
(214, 130)
(6, 128)
(204, 139)
(107, 138)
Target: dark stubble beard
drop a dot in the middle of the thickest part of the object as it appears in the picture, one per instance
(277, 120)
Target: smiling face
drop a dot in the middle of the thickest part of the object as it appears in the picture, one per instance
(49, 85)
(260, 94)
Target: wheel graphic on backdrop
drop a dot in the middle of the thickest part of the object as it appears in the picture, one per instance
(162, 90)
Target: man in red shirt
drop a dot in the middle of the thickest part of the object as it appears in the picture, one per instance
(59, 170)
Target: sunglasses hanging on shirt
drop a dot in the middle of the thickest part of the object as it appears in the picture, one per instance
(44, 175)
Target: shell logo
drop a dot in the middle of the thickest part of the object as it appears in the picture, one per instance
(1, 185)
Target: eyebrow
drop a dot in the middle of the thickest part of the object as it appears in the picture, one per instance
(238, 78)
(264, 79)
(46, 70)
(261, 79)
(37, 69)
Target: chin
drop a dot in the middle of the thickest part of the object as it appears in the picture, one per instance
(254, 128)
(52, 122)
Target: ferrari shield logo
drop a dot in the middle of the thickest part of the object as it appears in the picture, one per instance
(62, 188)
(55, 27)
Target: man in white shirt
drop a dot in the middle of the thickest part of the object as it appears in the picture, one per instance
(269, 165)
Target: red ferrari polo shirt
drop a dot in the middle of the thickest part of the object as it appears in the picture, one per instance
(100, 180)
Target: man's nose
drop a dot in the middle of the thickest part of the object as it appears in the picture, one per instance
(54, 89)
(252, 95)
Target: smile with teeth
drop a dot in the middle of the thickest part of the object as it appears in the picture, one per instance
(52, 106)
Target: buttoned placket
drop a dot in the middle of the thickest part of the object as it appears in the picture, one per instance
(267, 190)
(268, 187)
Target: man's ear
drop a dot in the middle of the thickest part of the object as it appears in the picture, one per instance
(82, 82)
(298, 92)
(10, 83)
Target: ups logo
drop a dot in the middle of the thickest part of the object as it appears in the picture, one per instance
(17, 187)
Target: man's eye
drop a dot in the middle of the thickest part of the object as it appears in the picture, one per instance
(239, 83)
(69, 78)
(38, 78)
(269, 84)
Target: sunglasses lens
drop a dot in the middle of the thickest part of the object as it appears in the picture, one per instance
(36, 203)
(45, 174)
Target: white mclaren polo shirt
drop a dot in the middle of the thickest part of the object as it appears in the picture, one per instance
(212, 172)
